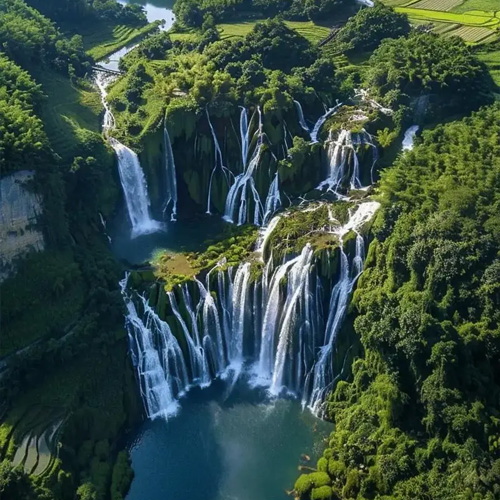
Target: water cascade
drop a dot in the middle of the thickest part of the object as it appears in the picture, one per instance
(237, 206)
(279, 328)
(319, 123)
(135, 190)
(321, 120)
(302, 120)
(245, 136)
(409, 137)
(170, 174)
(218, 164)
(157, 356)
(343, 161)
(132, 177)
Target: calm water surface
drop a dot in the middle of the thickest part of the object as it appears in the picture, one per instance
(156, 10)
(237, 446)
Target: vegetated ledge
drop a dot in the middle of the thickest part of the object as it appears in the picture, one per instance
(315, 225)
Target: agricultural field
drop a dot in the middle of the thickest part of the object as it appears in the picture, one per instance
(443, 5)
(100, 40)
(476, 21)
(492, 59)
(313, 32)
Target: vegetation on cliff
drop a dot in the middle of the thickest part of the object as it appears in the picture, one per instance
(420, 417)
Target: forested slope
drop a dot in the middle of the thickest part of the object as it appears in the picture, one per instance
(420, 419)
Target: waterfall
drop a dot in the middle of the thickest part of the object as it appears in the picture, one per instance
(302, 120)
(135, 190)
(236, 209)
(157, 357)
(297, 291)
(132, 177)
(108, 122)
(409, 137)
(273, 200)
(219, 163)
(245, 136)
(319, 123)
(170, 174)
(264, 235)
(270, 326)
(321, 120)
(343, 161)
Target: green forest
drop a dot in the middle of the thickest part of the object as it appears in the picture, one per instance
(221, 144)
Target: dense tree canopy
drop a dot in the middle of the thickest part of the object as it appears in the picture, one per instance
(75, 10)
(444, 68)
(365, 30)
(420, 419)
(193, 12)
(22, 138)
(31, 39)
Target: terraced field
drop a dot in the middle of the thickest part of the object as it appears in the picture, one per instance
(443, 5)
(313, 32)
(100, 40)
(476, 21)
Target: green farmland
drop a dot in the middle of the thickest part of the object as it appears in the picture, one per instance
(313, 32)
(476, 21)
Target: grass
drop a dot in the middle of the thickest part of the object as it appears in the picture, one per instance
(443, 5)
(477, 18)
(455, 18)
(485, 5)
(492, 60)
(313, 32)
(472, 34)
(101, 39)
(68, 108)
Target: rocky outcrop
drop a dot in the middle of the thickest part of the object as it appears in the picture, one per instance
(19, 211)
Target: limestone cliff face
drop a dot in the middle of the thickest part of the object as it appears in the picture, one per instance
(19, 211)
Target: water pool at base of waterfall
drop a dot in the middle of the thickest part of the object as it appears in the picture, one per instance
(181, 236)
(222, 445)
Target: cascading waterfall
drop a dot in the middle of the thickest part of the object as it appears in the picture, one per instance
(273, 325)
(170, 174)
(313, 133)
(236, 209)
(245, 135)
(322, 119)
(218, 164)
(343, 162)
(409, 137)
(157, 357)
(132, 177)
(135, 190)
(273, 200)
(302, 120)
